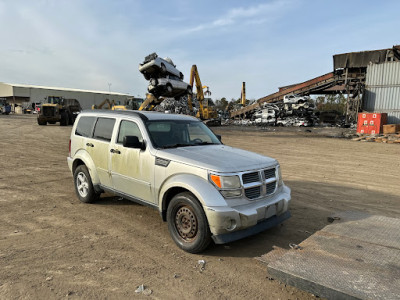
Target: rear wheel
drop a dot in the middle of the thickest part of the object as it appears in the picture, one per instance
(83, 185)
(64, 119)
(169, 88)
(163, 69)
(187, 223)
(41, 122)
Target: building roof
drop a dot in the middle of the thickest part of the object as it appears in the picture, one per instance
(363, 58)
(62, 89)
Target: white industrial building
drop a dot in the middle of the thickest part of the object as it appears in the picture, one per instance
(21, 95)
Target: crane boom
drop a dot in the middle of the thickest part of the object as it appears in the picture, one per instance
(194, 76)
(206, 111)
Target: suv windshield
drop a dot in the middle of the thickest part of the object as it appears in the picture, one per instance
(180, 133)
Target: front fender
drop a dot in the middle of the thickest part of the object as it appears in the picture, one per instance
(204, 191)
(88, 161)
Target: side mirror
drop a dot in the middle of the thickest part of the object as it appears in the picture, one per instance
(132, 141)
(219, 137)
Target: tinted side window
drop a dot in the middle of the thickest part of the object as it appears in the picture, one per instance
(128, 128)
(85, 126)
(104, 128)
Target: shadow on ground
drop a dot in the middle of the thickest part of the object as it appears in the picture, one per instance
(312, 204)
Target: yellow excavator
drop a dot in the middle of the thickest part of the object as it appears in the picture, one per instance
(130, 104)
(150, 102)
(207, 111)
(110, 104)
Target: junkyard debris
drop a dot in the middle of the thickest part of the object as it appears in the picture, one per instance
(202, 264)
(295, 246)
(141, 289)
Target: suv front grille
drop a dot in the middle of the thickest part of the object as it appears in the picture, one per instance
(251, 177)
(270, 188)
(269, 173)
(259, 183)
(253, 192)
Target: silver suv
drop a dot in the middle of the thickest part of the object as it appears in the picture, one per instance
(204, 189)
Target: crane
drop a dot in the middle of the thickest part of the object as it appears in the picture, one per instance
(207, 111)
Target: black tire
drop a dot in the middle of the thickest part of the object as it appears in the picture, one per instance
(64, 119)
(187, 223)
(163, 69)
(41, 123)
(169, 88)
(70, 118)
(83, 185)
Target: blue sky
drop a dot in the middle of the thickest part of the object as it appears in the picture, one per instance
(87, 44)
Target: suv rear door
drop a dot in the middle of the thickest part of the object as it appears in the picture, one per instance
(99, 148)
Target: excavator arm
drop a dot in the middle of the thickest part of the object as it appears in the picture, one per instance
(195, 77)
(150, 102)
(109, 103)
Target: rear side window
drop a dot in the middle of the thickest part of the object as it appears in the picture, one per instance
(85, 126)
(103, 129)
(128, 128)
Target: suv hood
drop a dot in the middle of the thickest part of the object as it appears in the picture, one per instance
(219, 158)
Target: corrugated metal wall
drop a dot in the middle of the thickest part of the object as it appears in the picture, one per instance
(382, 90)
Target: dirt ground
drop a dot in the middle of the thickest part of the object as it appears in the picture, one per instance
(52, 246)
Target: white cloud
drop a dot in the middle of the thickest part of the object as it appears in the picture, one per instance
(253, 14)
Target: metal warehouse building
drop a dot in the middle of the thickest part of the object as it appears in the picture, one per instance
(382, 90)
(376, 74)
(25, 95)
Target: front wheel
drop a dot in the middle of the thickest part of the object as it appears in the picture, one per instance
(64, 119)
(41, 122)
(83, 185)
(163, 69)
(187, 223)
(169, 88)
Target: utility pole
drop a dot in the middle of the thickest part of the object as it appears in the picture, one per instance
(109, 87)
(243, 96)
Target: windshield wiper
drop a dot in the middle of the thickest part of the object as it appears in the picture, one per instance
(176, 146)
(205, 143)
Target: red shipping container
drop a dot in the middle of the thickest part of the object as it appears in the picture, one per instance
(371, 123)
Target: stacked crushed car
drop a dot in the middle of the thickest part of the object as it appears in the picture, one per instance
(165, 80)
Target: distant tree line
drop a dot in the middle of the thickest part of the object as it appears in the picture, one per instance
(330, 102)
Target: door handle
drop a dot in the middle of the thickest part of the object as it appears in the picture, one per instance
(89, 145)
(116, 151)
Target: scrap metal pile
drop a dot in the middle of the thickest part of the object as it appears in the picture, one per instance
(178, 106)
(293, 111)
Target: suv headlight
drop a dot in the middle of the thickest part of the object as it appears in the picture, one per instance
(229, 186)
(280, 180)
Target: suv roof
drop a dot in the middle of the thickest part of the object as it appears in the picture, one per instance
(144, 115)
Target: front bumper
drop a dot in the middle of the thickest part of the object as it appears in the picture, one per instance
(232, 223)
(259, 227)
